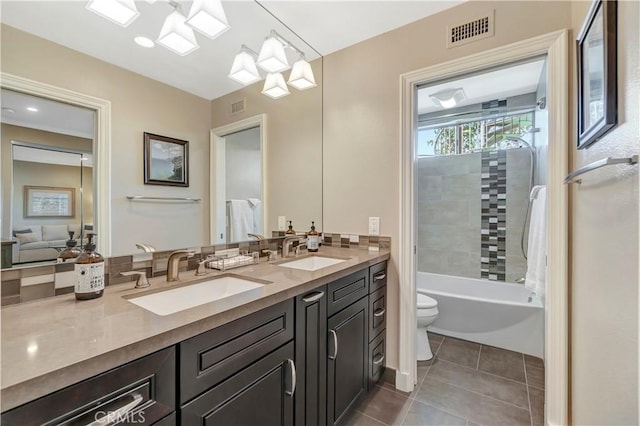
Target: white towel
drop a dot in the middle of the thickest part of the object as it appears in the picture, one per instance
(240, 220)
(256, 204)
(535, 279)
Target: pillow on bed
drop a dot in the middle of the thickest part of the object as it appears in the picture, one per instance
(27, 237)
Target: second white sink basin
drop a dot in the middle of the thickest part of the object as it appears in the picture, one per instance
(312, 263)
(224, 291)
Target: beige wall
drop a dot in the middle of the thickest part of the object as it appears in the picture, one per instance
(604, 262)
(138, 105)
(362, 114)
(293, 152)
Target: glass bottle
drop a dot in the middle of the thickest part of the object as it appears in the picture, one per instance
(89, 269)
(71, 252)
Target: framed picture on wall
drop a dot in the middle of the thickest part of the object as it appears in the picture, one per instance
(597, 73)
(166, 161)
(48, 201)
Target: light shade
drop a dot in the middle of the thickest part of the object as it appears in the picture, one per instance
(207, 16)
(176, 35)
(301, 76)
(275, 86)
(272, 58)
(121, 12)
(244, 69)
(448, 98)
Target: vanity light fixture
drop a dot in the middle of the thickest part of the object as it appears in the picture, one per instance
(301, 76)
(448, 98)
(121, 12)
(272, 58)
(208, 18)
(32, 109)
(275, 86)
(144, 41)
(244, 69)
(176, 35)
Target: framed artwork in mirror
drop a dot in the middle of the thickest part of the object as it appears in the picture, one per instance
(166, 161)
(597, 73)
(49, 201)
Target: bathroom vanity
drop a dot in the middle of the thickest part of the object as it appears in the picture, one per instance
(304, 351)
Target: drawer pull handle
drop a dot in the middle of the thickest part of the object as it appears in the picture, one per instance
(335, 345)
(313, 297)
(118, 414)
(380, 276)
(379, 312)
(377, 360)
(292, 366)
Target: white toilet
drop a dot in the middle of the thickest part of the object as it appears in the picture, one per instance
(427, 311)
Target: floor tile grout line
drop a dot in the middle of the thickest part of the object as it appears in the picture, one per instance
(404, 418)
(371, 417)
(481, 394)
(528, 394)
(488, 373)
(443, 409)
(479, 354)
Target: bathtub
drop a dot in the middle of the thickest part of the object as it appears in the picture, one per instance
(493, 313)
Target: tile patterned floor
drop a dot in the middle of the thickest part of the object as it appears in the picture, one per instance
(465, 384)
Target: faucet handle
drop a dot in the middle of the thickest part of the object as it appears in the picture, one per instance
(141, 280)
(271, 254)
(202, 266)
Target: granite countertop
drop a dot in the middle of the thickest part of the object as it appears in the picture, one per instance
(52, 343)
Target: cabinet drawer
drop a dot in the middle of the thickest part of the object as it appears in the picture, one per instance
(209, 358)
(261, 394)
(377, 276)
(377, 312)
(345, 291)
(142, 392)
(377, 355)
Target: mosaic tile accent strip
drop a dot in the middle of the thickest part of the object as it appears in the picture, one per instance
(37, 282)
(493, 216)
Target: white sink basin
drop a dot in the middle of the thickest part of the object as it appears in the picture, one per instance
(224, 292)
(311, 263)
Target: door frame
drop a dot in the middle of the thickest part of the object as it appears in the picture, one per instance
(556, 46)
(217, 199)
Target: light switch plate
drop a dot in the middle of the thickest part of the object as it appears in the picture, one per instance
(374, 226)
(282, 223)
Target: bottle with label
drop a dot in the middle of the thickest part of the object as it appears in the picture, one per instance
(89, 269)
(290, 231)
(313, 239)
(70, 253)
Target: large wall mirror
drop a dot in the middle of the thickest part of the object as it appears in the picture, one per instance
(290, 154)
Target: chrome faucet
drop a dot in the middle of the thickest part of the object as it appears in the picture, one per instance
(287, 242)
(141, 278)
(202, 266)
(173, 263)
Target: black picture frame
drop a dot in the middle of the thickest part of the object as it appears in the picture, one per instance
(596, 49)
(166, 161)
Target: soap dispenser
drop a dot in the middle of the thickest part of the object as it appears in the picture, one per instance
(290, 231)
(71, 252)
(89, 270)
(313, 239)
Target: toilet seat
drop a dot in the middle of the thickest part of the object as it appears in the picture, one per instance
(426, 302)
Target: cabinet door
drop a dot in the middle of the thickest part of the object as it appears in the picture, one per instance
(311, 350)
(260, 394)
(347, 349)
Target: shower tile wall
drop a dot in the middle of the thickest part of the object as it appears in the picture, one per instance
(449, 212)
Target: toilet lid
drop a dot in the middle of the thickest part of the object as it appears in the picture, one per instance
(425, 301)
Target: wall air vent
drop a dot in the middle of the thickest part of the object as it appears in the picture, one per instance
(470, 31)
(237, 106)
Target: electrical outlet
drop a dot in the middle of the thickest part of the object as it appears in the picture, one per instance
(282, 223)
(374, 226)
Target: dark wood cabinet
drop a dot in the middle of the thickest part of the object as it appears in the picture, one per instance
(141, 392)
(260, 394)
(347, 369)
(311, 358)
(347, 290)
(376, 358)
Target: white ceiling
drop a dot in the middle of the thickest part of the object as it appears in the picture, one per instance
(326, 25)
(496, 84)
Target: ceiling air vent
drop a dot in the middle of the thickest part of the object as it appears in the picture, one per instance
(237, 107)
(468, 32)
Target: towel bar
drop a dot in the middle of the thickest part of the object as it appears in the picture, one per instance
(145, 198)
(597, 164)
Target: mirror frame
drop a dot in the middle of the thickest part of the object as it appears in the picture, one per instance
(101, 145)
